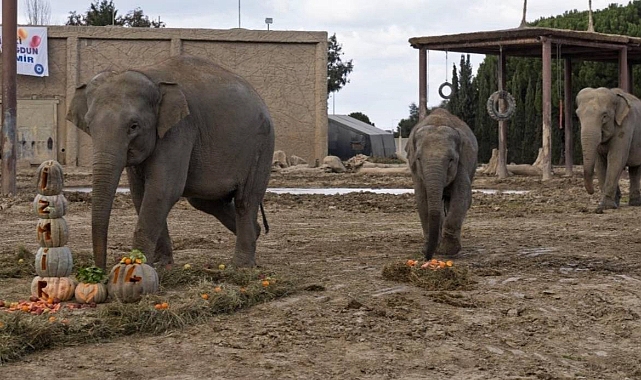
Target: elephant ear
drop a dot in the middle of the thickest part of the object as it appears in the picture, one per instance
(173, 107)
(622, 109)
(79, 104)
(78, 108)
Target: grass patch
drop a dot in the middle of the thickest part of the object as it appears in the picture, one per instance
(450, 278)
(17, 264)
(194, 296)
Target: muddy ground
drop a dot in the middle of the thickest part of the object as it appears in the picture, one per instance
(558, 292)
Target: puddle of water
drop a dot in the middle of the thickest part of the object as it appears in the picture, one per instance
(329, 191)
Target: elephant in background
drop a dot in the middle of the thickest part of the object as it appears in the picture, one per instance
(184, 127)
(611, 140)
(442, 154)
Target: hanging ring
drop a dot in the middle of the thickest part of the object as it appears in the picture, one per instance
(493, 105)
(442, 86)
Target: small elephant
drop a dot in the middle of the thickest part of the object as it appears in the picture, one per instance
(610, 140)
(184, 127)
(442, 154)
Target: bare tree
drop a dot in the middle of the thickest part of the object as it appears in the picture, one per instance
(38, 12)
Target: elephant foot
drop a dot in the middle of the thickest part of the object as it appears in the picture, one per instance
(244, 260)
(606, 204)
(635, 200)
(450, 246)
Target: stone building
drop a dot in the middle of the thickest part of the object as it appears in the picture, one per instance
(287, 68)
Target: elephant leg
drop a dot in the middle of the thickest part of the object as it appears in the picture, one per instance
(460, 200)
(164, 247)
(247, 231)
(423, 209)
(608, 177)
(635, 180)
(223, 210)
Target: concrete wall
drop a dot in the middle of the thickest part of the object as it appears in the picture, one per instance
(288, 69)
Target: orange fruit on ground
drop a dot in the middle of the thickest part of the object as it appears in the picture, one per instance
(127, 261)
(52, 319)
(265, 283)
(449, 263)
(158, 306)
(205, 296)
(165, 305)
(218, 289)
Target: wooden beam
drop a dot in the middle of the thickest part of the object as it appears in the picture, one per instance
(501, 169)
(8, 137)
(422, 83)
(624, 81)
(568, 111)
(547, 108)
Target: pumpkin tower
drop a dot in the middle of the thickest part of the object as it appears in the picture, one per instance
(53, 259)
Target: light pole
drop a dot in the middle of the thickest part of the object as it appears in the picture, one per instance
(238, 14)
(268, 21)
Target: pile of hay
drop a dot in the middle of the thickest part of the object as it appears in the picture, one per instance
(449, 278)
(193, 297)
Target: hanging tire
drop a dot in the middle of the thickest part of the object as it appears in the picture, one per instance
(442, 86)
(493, 105)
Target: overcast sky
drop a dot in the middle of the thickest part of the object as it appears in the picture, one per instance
(373, 33)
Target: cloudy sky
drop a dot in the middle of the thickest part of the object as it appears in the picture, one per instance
(373, 33)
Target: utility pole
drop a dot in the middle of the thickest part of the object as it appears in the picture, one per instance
(8, 140)
(238, 14)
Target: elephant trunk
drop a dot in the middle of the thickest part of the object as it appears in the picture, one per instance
(435, 179)
(590, 140)
(106, 175)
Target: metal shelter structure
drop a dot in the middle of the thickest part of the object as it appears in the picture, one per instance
(534, 42)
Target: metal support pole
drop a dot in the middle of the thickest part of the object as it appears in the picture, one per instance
(568, 111)
(501, 167)
(422, 83)
(547, 108)
(9, 101)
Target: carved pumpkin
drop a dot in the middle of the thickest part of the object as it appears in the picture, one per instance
(88, 293)
(128, 282)
(50, 206)
(53, 287)
(50, 178)
(54, 262)
(52, 232)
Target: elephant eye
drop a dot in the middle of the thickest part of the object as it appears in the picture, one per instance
(605, 117)
(134, 126)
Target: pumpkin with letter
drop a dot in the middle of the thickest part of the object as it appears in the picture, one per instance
(61, 288)
(50, 178)
(52, 232)
(50, 206)
(54, 262)
(131, 278)
(91, 287)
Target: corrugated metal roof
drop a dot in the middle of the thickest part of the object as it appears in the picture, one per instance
(357, 125)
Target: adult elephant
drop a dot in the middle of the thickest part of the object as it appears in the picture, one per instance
(184, 127)
(442, 153)
(611, 140)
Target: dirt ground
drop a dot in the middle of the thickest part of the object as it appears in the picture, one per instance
(558, 292)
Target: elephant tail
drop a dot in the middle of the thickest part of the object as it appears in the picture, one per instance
(262, 211)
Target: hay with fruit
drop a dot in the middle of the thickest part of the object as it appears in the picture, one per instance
(430, 275)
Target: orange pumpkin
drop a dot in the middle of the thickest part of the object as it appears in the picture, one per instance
(87, 293)
(50, 178)
(128, 282)
(50, 206)
(54, 262)
(53, 287)
(52, 232)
